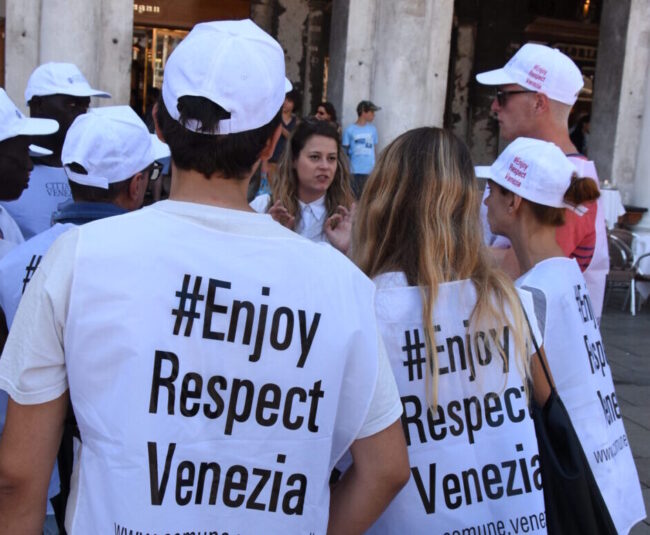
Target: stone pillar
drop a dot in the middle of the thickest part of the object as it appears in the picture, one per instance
(94, 35)
(642, 171)
(462, 79)
(263, 14)
(619, 92)
(397, 55)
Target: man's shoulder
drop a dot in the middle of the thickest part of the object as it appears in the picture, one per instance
(36, 245)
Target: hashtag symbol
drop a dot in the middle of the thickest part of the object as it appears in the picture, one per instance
(30, 269)
(414, 357)
(185, 311)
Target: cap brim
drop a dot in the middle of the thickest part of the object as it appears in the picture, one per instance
(160, 150)
(35, 150)
(495, 77)
(37, 127)
(288, 86)
(482, 171)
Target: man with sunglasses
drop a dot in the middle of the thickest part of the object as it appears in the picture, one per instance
(535, 92)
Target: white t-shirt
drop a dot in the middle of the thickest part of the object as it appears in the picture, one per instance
(48, 187)
(312, 216)
(583, 378)
(474, 461)
(56, 307)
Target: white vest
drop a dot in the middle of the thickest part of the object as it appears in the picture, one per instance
(597, 270)
(474, 464)
(19, 265)
(227, 417)
(583, 378)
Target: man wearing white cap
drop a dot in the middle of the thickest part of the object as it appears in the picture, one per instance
(15, 168)
(219, 364)
(54, 91)
(114, 157)
(535, 92)
(15, 164)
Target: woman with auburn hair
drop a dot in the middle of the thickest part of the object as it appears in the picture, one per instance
(532, 184)
(456, 336)
(312, 193)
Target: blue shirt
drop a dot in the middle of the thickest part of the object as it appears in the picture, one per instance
(360, 142)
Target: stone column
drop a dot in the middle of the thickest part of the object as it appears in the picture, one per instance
(619, 92)
(94, 35)
(396, 53)
(642, 170)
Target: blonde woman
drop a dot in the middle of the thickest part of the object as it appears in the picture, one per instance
(455, 334)
(532, 184)
(312, 193)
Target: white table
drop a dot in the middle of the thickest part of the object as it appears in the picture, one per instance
(612, 205)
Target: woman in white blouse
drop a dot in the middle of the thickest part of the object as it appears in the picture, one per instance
(311, 194)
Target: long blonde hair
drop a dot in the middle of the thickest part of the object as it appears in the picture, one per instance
(419, 214)
(285, 186)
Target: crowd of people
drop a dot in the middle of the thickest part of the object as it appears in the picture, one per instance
(150, 376)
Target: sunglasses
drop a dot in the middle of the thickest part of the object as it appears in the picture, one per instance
(155, 171)
(502, 96)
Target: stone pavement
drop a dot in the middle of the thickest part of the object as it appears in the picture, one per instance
(627, 345)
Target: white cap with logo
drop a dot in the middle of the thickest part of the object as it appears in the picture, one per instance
(533, 169)
(112, 144)
(60, 78)
(541, 69)
(232, 63)
(13, 123)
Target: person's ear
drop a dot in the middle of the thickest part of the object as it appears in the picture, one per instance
(154, 114)
(270, 144)
(541, 103)
(514, 203)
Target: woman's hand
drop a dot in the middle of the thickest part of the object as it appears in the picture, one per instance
(280, 214)
(338, 227)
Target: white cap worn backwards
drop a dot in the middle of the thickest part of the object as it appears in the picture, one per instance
(60, 78)
(232, 63)
(13, 123)
(112, 144)
(541, 69)
(533, 169)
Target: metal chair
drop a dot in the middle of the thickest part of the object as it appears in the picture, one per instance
(624, 271)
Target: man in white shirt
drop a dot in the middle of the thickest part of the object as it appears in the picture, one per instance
(54, 91)
(219, 364)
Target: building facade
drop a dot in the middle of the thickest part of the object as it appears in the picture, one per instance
(414, 58)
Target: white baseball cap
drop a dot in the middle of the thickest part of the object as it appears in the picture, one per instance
(60, 78)
(112, 144)
(13, 123)
(233, 63)
(542, 69)
(533, 169)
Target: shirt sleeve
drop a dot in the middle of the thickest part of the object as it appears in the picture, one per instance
(32, 366)
(577, 237)
(386, 405)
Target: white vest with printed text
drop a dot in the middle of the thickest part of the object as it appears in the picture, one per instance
(474, 460)
(216, 377)
(576, 356)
